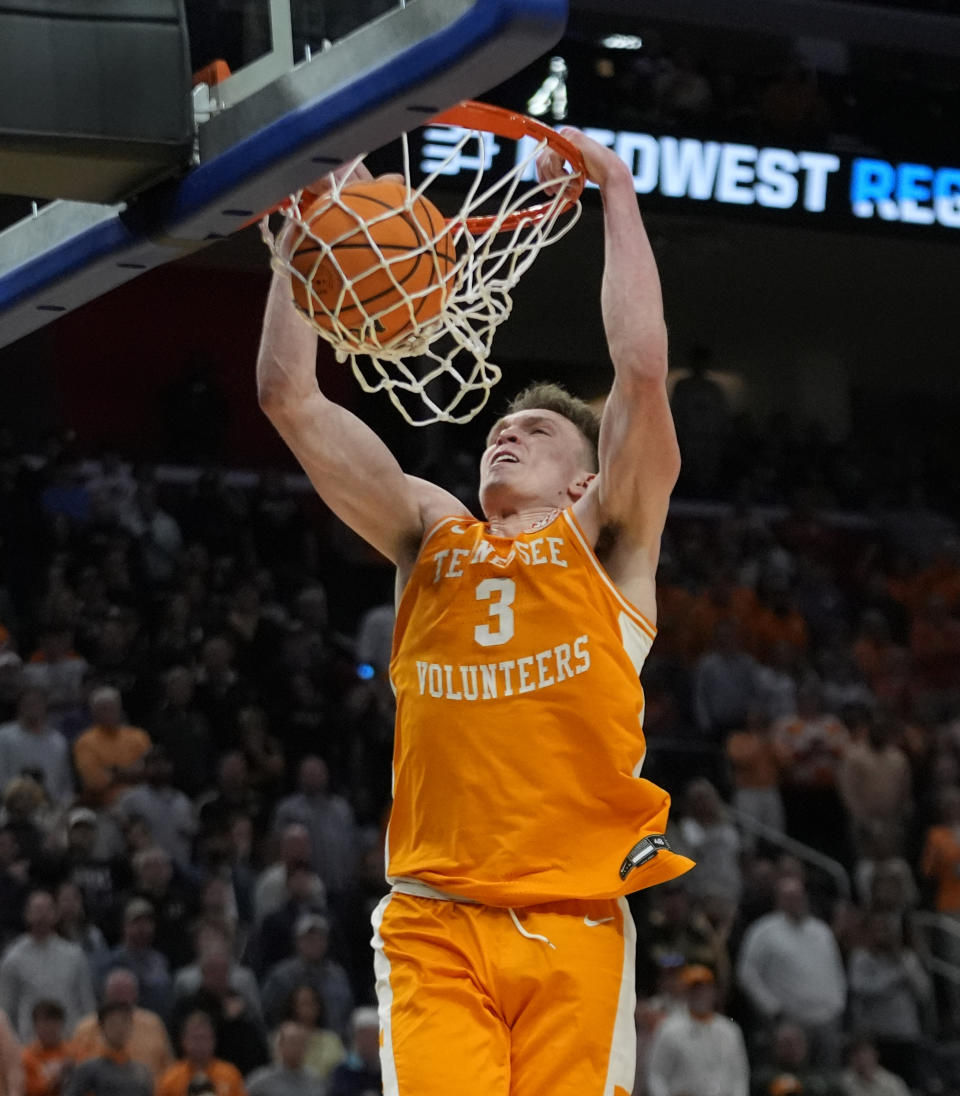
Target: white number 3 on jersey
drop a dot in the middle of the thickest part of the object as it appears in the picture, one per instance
(504, 590)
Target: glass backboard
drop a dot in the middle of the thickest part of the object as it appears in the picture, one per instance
(300, 104)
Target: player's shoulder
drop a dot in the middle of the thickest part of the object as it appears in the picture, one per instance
(434, 499)
(434, 503)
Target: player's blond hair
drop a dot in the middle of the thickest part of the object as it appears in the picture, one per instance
(546, 396)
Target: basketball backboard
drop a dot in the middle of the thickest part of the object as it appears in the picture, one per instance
(278, 123)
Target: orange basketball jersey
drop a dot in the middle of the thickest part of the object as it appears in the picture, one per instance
(519, 734)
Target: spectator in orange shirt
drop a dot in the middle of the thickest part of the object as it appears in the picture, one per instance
(47, 1061)
(11, 1064)
(108, 754)
(940, 861)
(198, 1065)
(148, 1042)
(114, 1073)
(812, 742)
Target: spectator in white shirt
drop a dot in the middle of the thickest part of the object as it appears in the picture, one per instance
(724, 684)
(776, 682)
(713, 842)
(890, 995)
(158, 535)
(790, 968)
(167, 811)
(113, 490)
(39, 964)
(271, 890)
(57, 669)
(289, 1076)
(695, 1051)
(328, 818)
(30, 743)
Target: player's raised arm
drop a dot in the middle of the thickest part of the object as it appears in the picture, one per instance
(639, 456)
(350, 467)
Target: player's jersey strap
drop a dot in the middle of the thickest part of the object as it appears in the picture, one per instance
(636, 631)
(519, 721)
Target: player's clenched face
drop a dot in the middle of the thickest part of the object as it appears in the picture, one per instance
(533, 458)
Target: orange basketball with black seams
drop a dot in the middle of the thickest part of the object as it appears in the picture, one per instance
(372, 256)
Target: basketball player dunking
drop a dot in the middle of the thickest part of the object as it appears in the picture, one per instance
(504, 951)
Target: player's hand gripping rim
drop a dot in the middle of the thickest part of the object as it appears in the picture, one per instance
(601, 163)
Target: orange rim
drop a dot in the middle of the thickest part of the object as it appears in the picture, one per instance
(506, 123)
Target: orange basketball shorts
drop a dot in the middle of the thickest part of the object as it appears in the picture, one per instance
(481, 1001)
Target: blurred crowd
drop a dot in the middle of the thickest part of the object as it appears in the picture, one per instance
(763, 88)
(194, 776)
(803, 705)
(751, 86)
(195, 743)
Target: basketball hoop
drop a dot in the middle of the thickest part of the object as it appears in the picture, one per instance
(438, 369)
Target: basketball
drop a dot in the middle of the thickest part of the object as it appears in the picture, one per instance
(373, 260)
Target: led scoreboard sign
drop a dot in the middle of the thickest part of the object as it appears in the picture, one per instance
(812, 184)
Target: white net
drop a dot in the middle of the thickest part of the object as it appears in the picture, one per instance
(425, 340)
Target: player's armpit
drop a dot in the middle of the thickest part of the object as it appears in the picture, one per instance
(631, 566)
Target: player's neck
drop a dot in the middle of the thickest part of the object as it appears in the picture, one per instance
(526, 519)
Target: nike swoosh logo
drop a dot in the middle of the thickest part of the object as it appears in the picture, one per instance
(591, 924)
